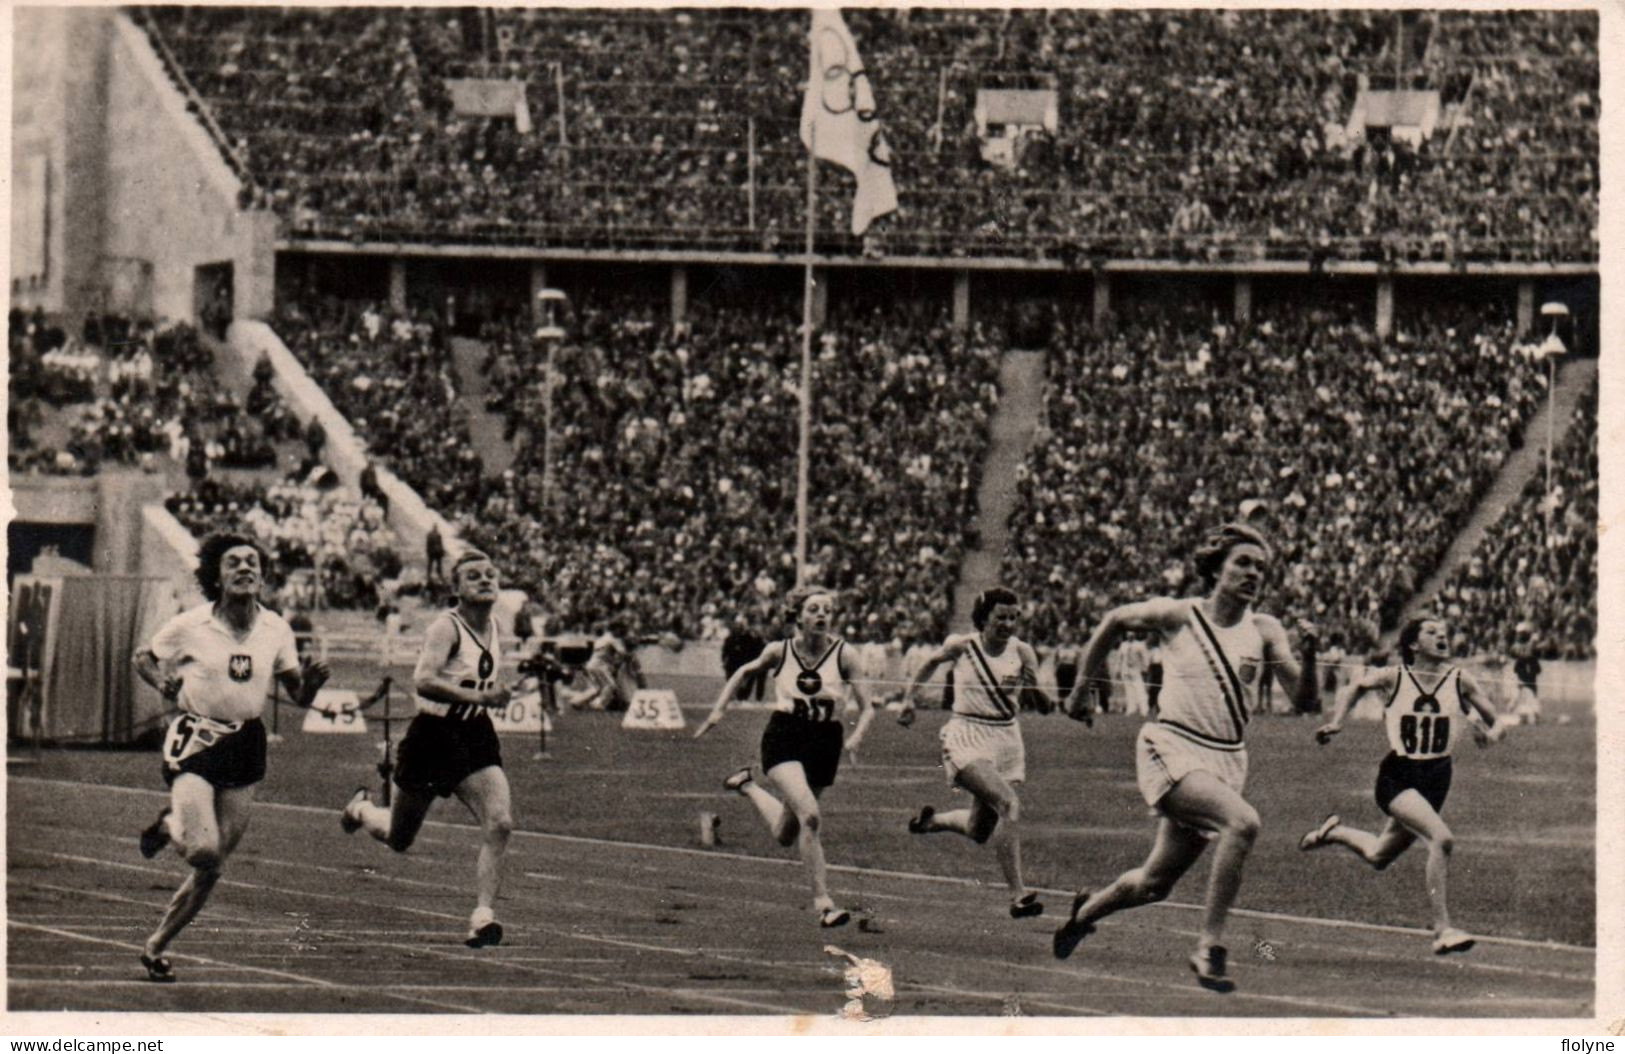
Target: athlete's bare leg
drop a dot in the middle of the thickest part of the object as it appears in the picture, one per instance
(1378, 850)
(398, 825)
(487, 796)
(1204, 801)
(199, 813)
(800, 801)
(781, 822)
(996, 808)
(1173, 851)
(1413, 810)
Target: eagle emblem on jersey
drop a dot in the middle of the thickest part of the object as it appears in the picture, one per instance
(1247, 671)
(486, 665)
(241, 667)
(808, 682)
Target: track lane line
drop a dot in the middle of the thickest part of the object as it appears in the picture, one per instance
(1309, 920)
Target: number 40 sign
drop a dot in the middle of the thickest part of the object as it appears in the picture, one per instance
(653, 708)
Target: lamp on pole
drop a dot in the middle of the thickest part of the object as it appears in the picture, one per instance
(1551, 349)
(550, 304)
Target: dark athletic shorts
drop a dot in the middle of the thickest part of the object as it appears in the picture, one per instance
(1429, 777)
(238, 760)
(438, 753)
(816, 744)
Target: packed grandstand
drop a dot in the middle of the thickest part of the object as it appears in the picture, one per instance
(674, 442)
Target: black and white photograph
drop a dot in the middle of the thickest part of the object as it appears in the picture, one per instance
(863, 520)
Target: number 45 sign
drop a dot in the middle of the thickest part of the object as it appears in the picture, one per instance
(653, 708)
(335, 710)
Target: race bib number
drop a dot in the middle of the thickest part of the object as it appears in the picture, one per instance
(336, 710)
(190, 735)
(523, 713)
(653, 708)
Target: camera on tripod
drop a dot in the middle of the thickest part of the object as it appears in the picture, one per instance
(556, 660)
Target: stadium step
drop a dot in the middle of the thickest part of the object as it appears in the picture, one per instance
(1014, 424)
(1574, 378)
(468, 358)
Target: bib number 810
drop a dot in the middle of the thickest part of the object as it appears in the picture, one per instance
(1425, 734)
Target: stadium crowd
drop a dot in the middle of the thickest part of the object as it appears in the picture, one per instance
(1521, 583)
(1361, 456)
(390, 375)
(681, 128)
(129, 393)
(329, 549)
(674, 465)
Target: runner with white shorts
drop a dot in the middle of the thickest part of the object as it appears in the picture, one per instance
(1191, 761)
(982, 751)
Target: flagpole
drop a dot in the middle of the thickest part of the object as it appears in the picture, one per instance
(805, 438)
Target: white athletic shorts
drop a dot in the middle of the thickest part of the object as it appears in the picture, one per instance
(965, 741)
(1163, 757)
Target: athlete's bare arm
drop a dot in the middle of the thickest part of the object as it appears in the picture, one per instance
(770, 655)
(1487, 729)
(1380, 680)
(951, 649)
(432, 685)
(1159, 614)
(303, 684)
(1030, 693)
(149, 669)
(1278, 656)
(866, 707)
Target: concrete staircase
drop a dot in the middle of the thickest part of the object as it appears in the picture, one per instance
(1015, 421)
(468, 358)
(1574, 378)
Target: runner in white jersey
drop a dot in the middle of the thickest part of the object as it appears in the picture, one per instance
(218, 662)
(1192, 759)
(801, 747)
(1428, 700)
(451, 746)
(982, 751)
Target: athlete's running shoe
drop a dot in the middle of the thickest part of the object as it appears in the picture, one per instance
(1450, 940)
(156, 836)
(158, 969)
(350, 816)
(832, 917)
(1208, 964)
(738, 780)
(1027, 907)
(483, 929)
(1073, 930)
(1317, 838)
(920, 824)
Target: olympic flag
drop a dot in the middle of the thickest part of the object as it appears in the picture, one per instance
(839, 121)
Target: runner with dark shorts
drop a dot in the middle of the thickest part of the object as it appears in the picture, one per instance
(218, 662)
(451, 746)
(801, 746)
(1428, 701)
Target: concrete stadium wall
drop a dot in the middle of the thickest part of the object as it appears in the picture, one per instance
(170, 199)
(111, 502)
(58, 114)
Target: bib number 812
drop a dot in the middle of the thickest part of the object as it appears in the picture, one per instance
(1424, 735)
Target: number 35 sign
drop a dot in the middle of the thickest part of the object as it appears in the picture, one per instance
(653, 708)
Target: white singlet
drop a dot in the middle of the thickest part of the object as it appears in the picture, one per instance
(473, 664)
(816, 690)
(1210, 679)
(1418, 720)
(988, 687)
